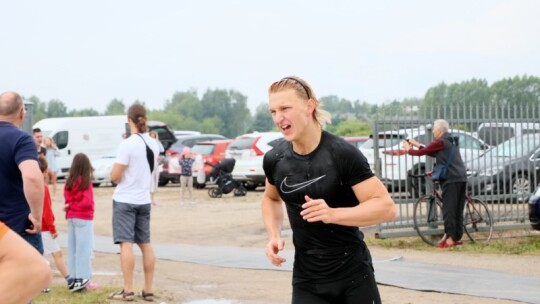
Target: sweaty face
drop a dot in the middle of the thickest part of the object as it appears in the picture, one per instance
(290, 113)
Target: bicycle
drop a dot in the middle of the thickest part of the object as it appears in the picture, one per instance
(428, 216)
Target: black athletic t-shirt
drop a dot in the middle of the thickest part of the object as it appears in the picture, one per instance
(323, 252)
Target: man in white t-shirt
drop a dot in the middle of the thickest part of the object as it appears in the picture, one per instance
(132, 172)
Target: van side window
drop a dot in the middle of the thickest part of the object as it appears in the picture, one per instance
(61, 139)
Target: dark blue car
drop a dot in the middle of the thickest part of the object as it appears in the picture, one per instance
(534, 209)
(509, 170)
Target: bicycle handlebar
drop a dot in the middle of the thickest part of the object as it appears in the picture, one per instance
(420, 175)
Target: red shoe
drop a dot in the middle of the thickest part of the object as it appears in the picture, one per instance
(444, 245)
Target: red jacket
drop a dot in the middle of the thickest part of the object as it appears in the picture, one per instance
(81, 202)
(47, 222)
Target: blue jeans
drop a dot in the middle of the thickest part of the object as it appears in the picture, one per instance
(34, 240)
(80, 248)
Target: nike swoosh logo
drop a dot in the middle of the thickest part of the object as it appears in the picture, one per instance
(292, 188)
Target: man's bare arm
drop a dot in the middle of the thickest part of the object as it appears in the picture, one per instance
(33, 189)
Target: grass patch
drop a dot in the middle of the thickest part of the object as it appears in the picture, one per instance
(60, 295)
(526, 245)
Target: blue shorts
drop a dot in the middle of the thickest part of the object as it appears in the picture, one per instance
(34, 240)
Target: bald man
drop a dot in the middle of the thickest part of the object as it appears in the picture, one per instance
(21, 181)
(23, 271)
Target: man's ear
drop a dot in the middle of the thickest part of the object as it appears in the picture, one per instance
(21, 113)
(311, 107)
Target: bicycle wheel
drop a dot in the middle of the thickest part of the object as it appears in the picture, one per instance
(477, 221)
(428, 219)
(214, 192)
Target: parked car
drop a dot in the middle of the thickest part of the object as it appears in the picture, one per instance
(512, 167)
(495, 133)
(534, 209)
(211, 153)
(166, 135)
(177, 147)
(103, 165)
(249, 150)
(356, 141)
(396, 164)
(384, 140)
(179, 133)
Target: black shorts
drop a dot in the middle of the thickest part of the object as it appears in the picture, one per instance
(131, 223)
(356, 290)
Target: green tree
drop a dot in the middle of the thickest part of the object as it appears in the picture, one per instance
(39, 109)
(186, 104)
(352, 128)
(516, 96)
(56, 108)
(115, 107)
(262, 121)
(230, 107)
(83, 112)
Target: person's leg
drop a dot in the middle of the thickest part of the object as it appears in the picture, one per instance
(50, 246)
(71, 248)
(307, 293)
(127, 263)
(149, 262)
(362, 289)
(84, 242)
(450, 205)
(142, 238)
(58, 257)
(461, 192)
(189, 181)
(23, 271)
(123, 222)
(183, 186)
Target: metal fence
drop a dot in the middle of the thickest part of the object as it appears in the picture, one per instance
(499, 147)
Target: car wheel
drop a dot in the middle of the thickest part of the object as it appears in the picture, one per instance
(250, 186)
(521, 187)
(96, 185)
(198, 186)
(163, 182)
(240, 191)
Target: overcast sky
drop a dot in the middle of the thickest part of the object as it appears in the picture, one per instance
(87, 53)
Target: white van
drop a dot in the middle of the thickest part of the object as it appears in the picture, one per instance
(92, 135)
(494, 133)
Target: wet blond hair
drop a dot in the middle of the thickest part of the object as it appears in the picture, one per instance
(304, 91)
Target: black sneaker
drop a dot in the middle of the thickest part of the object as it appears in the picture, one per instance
(78, 284)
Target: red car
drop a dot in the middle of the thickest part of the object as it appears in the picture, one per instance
(212, 152)
(356, 141)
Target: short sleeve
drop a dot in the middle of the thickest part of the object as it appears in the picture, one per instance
(122, 156)
(25, 150)
(353, 165)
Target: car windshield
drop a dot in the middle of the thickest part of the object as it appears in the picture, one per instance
(242, 143)
(203, 149)
(516, 146)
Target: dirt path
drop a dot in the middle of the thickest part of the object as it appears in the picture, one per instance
(234, 221)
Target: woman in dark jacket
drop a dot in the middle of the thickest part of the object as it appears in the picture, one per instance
(454, 186)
